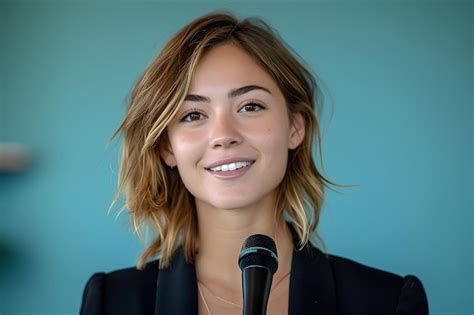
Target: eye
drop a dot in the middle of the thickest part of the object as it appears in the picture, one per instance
(251, 107)
(192, 116)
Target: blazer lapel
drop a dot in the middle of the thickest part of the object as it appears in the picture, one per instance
(177, 288)
(312, 287)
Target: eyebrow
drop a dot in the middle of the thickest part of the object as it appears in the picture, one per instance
(232, 94)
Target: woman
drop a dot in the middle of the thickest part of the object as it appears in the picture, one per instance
(217, 147)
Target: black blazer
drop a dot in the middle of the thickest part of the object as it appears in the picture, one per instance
(319, 284)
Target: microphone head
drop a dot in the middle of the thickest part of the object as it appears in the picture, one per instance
(259, 250)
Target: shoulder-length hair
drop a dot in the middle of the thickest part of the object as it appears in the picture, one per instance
(154, 193)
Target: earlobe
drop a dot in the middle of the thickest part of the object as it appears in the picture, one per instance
(166, 153)
(297, 131)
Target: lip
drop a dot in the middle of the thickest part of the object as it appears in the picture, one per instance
(231, 174)
(229, 160)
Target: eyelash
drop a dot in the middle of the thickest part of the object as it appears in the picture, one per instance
(192, 111)
(260, 107)
(195, 111)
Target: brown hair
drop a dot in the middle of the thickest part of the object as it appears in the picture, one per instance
(154, 193)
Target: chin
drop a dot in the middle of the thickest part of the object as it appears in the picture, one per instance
(229, 205)
(232, 203)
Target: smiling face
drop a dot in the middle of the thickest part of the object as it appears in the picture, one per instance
(231, 136)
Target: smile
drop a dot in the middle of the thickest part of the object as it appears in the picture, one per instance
(230, 167)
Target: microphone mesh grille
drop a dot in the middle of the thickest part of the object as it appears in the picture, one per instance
(259, 250)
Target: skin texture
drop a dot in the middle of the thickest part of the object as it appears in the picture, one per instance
(255, 126)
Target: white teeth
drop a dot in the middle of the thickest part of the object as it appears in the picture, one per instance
(230, 166)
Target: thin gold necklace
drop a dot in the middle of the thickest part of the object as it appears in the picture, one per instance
(227, 301)
(200, 283)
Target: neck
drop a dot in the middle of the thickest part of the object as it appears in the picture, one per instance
(221, 235)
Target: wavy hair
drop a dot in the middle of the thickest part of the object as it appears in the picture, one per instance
(155, 195)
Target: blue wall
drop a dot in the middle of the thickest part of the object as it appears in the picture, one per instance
(400, 76)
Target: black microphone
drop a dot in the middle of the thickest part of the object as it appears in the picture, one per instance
(258, 261)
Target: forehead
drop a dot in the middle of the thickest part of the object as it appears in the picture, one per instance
(228, 66)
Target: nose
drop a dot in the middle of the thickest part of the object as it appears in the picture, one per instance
(225, 131)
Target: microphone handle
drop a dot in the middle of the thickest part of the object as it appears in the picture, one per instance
(257, 282)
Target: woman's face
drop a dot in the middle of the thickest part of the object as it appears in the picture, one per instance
(231, 136)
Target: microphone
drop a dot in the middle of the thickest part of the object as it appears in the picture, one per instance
(258, 261)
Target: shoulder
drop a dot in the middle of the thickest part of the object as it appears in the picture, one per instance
(357, 282)
(121, 291)
(348, 272)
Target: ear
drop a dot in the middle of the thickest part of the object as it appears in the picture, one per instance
(297, 131)
(166, 152)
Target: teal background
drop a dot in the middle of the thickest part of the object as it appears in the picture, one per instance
(400, 78)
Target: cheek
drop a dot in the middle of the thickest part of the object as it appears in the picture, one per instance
(185, 146)
(271, 140)
(271, 136)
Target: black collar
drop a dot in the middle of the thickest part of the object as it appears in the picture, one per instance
(312, 286)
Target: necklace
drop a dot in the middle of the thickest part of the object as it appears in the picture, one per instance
(200, 283)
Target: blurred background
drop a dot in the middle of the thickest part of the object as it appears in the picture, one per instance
(398, 122)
